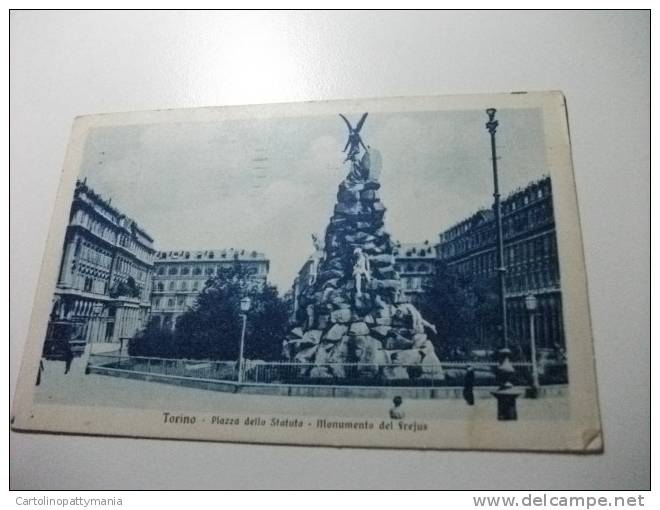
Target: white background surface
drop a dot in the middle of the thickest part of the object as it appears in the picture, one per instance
(66, 64)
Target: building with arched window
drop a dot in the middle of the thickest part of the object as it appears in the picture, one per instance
(530, 259)
(104, 284)
(415, 264)
(180, 275)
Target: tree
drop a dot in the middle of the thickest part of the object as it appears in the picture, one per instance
(463, 309)
(212, 328)
(268, 324)
(486, 311)
(154, 341)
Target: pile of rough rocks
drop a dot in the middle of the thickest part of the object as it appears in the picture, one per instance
(375, 329)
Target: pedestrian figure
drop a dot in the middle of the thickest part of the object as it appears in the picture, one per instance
(41, 369)
(68, 357)
(468, 386)
(397, 412)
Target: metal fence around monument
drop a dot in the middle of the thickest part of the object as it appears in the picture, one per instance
(446, 374)
(194, 369)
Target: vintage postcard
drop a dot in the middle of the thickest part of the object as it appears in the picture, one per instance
(397, 273)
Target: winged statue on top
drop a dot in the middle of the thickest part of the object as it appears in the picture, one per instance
(354, 139)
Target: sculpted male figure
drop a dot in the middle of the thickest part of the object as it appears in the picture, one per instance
(316, 259)
(418, 322)
(360, 269)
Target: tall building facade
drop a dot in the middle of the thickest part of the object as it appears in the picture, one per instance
(530, 257)
(104, 283)
(415, 264)
(302, 282)
(179, 277)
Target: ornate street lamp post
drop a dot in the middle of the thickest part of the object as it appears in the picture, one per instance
(506, 395)
(246, 303)
(97, 310)
(531, 303)
(491, 125)
(94, 333)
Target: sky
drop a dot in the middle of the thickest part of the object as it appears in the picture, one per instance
(268, 184)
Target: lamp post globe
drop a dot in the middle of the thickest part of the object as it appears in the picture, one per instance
(531, 303)
(246, 304)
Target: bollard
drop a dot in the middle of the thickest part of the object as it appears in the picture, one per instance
(506, 397)
(506, 394)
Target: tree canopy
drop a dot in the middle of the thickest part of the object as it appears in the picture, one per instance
(463, 309)
(211, 329)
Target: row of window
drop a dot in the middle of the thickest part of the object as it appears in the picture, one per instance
(533, 194)
(108, 233)
(88, 270)
(130, 268)
(198, 270)
(136, 248)
(90, 284)
(414, 283)
(170, 303)
(538, 248)
(521, 200)
(542, 279)
(426, 251)
(486, 235)
(547, 321)
(128, 242)
(525, 278)
(92, 254)
(184, 285)
(514, 223)
(98, 228)
(541, 249)
(412, 268)
(209, 254)
(481, 264)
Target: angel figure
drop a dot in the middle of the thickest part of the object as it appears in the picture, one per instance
(354, 139)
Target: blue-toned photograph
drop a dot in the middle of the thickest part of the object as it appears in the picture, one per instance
(321, 270)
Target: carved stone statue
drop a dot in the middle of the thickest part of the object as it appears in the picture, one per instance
(418, 323)
(311, 316)
(318, 244)
(316, 259)
(353, 309)
(354, 139)
(361, 269)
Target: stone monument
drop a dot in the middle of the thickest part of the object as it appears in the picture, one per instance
(353, 320)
